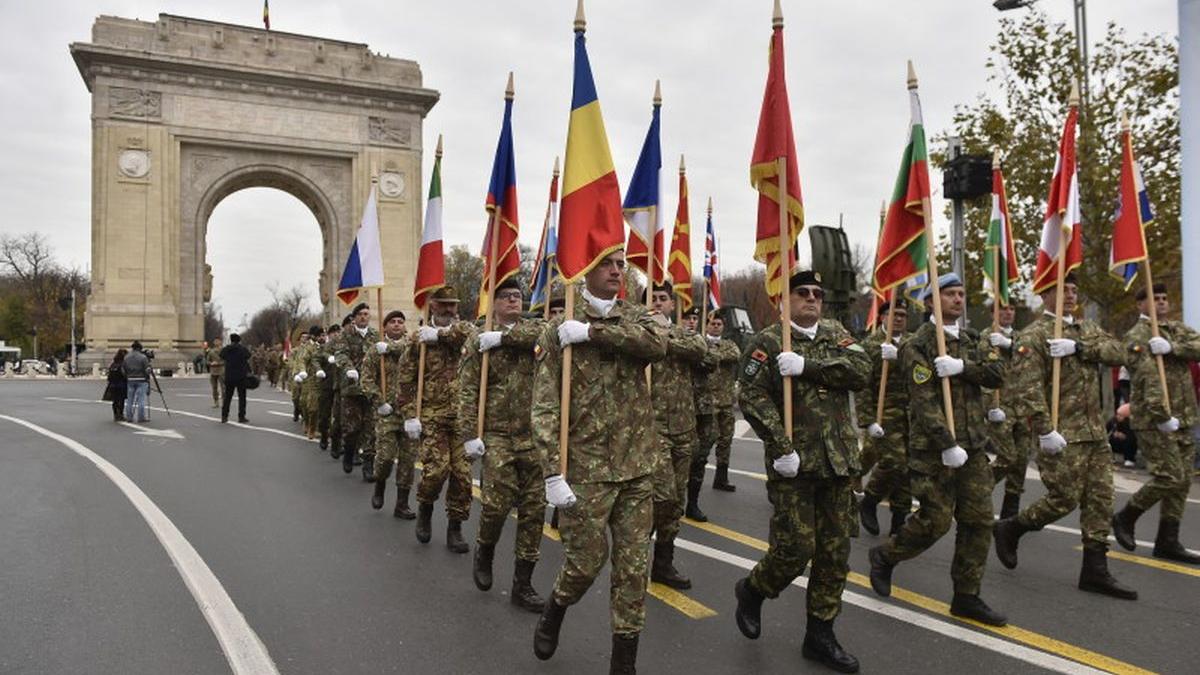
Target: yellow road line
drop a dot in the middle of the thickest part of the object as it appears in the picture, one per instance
(1152, 562)
(1028, 637)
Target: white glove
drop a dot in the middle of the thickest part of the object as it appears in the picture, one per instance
(558, 493)
(1052, 443)
(330, 360)
(384, 409)
(474, 448)
(381, 347)
(428, 334)
(320, 374)
(412, 428)
(888, 351)
(947, 366)
(1061, 347)
(572, 332)
(791, 364)
(297, 379)
(1000, 340)
(788, 465)
(954, 457)
(489, 340)
(303, 375)
(875, 431)
(1159, 346)
(997, 416)
(1170, 426)
(352, 374)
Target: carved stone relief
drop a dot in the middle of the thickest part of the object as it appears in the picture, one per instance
(134, 102)
(134, 163)
(389, 131)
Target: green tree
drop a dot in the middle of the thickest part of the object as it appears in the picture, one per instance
(1032, 62)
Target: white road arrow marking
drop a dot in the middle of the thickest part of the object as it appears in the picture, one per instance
(159, 433)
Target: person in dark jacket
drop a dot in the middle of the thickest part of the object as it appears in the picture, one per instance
(136, 367)
(117, 385)
(237, 369)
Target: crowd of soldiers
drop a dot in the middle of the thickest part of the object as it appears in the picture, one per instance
(651, 394)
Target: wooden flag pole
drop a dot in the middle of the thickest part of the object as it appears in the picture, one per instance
(425, 320)
(884, 368)
(564, 422)
(382, 336)
(927, 214)
(550, 270)
(785, 276)
(1064, 242)
(652, 247)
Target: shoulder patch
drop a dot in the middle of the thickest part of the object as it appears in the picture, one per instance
(921, 373)
(759, 355)
(755, 363)
(1137, 349)
(846, 342)
(538, 352)
(1022, 350)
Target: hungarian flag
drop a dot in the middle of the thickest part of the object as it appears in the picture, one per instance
(901, 253)
(712, 279)
(431, 265)
(1061, 229)
(591, 225)
(364, 265)
(642, 204)
(1133, 215)
(543, 267)
(679, 264)
(501, 202)
(1000, 260)
(775, 140)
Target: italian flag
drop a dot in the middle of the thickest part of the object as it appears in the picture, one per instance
(902, 247)
(431, 266)
(1000, 263)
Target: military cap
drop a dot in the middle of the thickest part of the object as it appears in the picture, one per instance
(347, 320)
(445, 294)
(1070, 278)
(315, 331)
(899, 303)
(359, 307)
(664, 287)
(1159, 289)
(334, 328)
(394, 314)
(695, 311)
(558, 303)
(947, 280)
(508, 283)
(804, 278)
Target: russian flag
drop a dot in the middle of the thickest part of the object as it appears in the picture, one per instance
(1133, 215)
(641, 207)
(364, 267)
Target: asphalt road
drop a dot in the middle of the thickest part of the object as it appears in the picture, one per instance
(242, 548)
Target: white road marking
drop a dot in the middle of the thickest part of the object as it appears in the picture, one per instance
(146, 431)
(272, 401)
(185, 413)
(242, 647)
(1010, 649)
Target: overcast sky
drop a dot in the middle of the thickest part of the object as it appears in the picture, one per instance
(845, 63)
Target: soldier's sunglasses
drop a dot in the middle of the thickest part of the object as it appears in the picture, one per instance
(806, 292)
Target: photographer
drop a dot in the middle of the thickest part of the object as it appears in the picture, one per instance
(137, 375)
(237, 368)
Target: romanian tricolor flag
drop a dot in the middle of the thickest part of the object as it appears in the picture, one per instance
(775, 140)
(679, 263)
(901, 254)
(543, 268)
(1000, 260)
(712, 277)
(642, 203)
(1133, 215)
(502, 211)
(591, 225)
(431, 265)
(1061, 234)
(267, 14)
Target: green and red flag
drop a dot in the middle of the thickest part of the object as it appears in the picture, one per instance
(902, 247)
(1000, 261)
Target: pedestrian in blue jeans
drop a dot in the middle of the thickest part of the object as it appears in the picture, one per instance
(137, 375)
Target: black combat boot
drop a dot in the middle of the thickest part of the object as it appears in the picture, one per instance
(624, 655)
(1010, 507)
(1007, 534)
(424, 527)
(866, 513)
(295, 413)
(368, 468)
(324, 444)
(821, 645)
(749, 609)
(881, 571)
(523, 595)
(402, 511)
(454, 539)
(554, 518)
(349, 454)
(1122, 525)
(335, 447)
(663, 569)
(899, 517)
(693, 504)
(545, 635)
(482, 568)
(973, 607)
(1094, 576)
(377, 498)
(1167, 546)
(721, 479)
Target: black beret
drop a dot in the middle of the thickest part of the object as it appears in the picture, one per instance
(695, 311)
(394, 314)
(664, 287)
(804, 278)
(558, 303)
(359, 307)
(510, 282)
(900, 303)
(315, 331)
(349, 318)
(1159, 289)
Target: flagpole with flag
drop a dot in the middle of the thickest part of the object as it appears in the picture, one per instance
(780, 207)
(679, 262)
(543, 268)
(431, 265)
(364, 265)
(877, 300)
(590, 215)
(1129, 239)
(642, 207)
(267, 14)
(1000, 265)
(712, 282)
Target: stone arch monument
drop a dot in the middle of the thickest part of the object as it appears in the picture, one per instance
(186, 112)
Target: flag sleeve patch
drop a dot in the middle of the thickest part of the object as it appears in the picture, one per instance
(755, 363)
(921, 373)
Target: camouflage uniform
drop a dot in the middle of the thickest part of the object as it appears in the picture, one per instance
(811, 520)
(1011, 439)
(442, 456)
(310, 397)
(512, 475)
(1081, 474)
(357, 414)
(714, 411)
(889, 454)
(612, 449)
(296, 365)
(326, 390)
(964, 494)
(274, 364)
(675, 424)
(392, 445)
(216, 373)
(1169, 456)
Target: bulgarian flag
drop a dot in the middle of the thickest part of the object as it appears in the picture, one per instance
(1061, 231)
(679, 263)
(1000, 262)
(901, 253)
(431, 265)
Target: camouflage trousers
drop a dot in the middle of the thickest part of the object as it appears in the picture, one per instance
(889, 479)
(1169, 458)
(512, 478)
(671, 472)
(809, 525)
(358, 423)
(963, 495)
(1079, 476)
(310, 405)
(393, 446)
(295, 394)
(335, 424)
(273, 376)
(324, 410)
(624, 509)
(217, 380)
(1012, 441)
(713, 429)
(444, 460)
